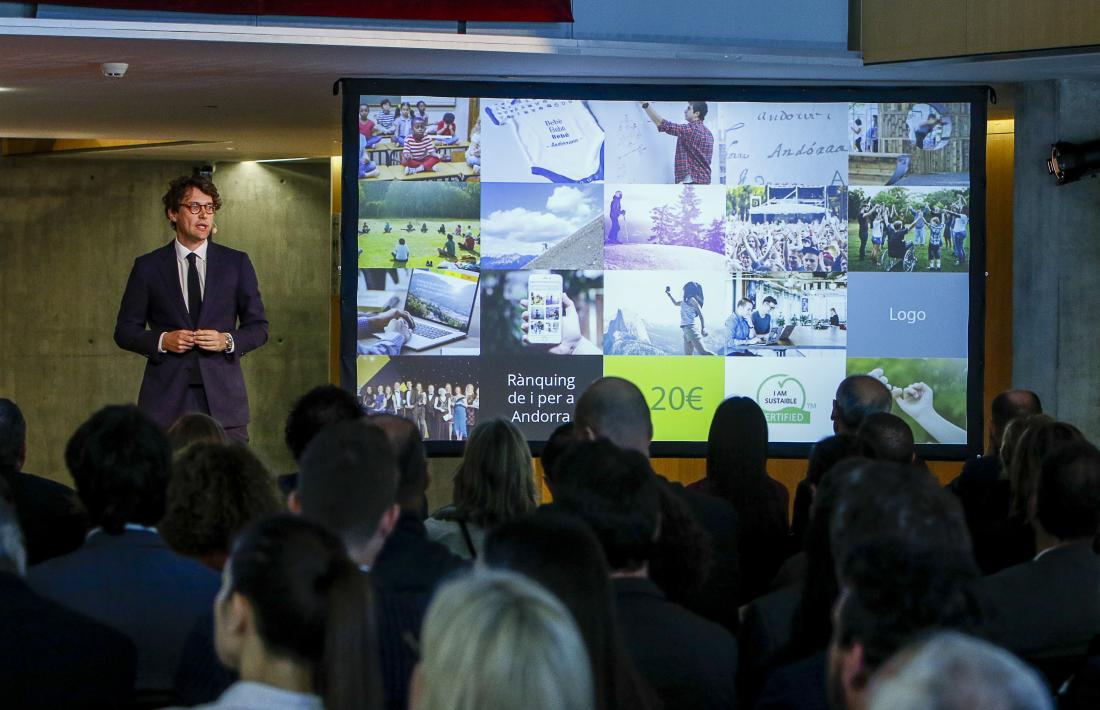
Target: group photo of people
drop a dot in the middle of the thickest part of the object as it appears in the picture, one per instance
(786, 229)
(444, 412)
(910, 229)
(418, 138)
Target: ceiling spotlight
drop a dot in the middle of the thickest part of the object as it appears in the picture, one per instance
(1073, 161)
(114, 70)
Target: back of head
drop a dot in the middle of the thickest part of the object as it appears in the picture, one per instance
(314, 410)
(952, 671)
(893, 594)
(560, 439)
(888, 438)
(195, 428)
(1040, 436)
(13, 555)
(856, 397)
(614, 408)
(215, 491)
(496, 479)
(614, 492)
(121, 464)
(737, 454)
(412, 458)
(348, 479)
(311, 604)
(495, 640)
(1067, 497)
(829, 452)
(13, 436)
(902, 504)
(1009, 405)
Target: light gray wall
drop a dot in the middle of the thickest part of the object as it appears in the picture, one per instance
(1056, 258)
(69, 232)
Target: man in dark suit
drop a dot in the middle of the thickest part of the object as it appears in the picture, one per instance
(616, 409)
(52, 519)
(688, 661)
(124, 575)
(1050, 607)
(193, 308)
(51, 657)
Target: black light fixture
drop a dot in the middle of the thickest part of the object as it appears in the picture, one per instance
(1072, 161)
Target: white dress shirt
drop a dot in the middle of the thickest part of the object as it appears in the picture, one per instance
(182, 266)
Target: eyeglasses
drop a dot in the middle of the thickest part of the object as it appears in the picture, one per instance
(196, 207)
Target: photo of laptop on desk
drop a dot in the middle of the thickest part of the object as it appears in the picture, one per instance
(779, 334)
(441, 307)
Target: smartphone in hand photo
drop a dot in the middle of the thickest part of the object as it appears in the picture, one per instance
(544, 306)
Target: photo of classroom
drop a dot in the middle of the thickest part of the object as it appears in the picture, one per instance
(792, 315)
(909, 229)
(418, 138)
(909, 143)
(432, 225)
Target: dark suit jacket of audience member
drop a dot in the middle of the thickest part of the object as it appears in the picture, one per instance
(134, 583)
(1049, 606)
(797, 686)
(53, 520)
(766, 629)
(51, 657)
(201, 677)
(717, 599)
(688, 661)
(406, 574)
(1083, 692)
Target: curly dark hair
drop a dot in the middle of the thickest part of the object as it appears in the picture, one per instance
(179, 187)
(215, 491)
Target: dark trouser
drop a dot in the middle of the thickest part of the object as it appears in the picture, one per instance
(194, 400)
(862, 244)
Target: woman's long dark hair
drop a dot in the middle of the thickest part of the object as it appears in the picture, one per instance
(311, 604)
(563, 555)
(737, 459)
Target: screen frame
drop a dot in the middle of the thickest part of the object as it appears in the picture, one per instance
(976, 96)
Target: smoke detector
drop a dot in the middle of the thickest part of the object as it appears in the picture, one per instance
(114, 70)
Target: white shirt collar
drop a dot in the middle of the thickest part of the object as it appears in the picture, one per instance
(182, 251)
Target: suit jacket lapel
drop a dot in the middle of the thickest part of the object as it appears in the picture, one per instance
(214, 279)
(170, 271)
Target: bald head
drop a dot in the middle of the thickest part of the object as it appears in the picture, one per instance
(857, 397)
(888, 437)
(1009, 405)
(616, 409)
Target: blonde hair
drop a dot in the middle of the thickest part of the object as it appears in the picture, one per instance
(496, 480)
(495, 640)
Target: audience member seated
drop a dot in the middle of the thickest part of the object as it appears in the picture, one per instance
(614, 408)
(690, 662)
(888, 438)
(196, 428)
(952, 671)
(1025, 443)
(737, 459)
(295, 618)
(310, 413)
(561, 553)
(215, 491)
(556, 444)
(858, 501)
(1049, 609)
(823, 456)
(52, 519)
(494, 483)
(978, 488)
(410, 566)
(125, 575)
(495, 640)
(51, 657)
(856, 397)
(892, 595)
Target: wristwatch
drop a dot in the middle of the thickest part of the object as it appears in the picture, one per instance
(228, 342)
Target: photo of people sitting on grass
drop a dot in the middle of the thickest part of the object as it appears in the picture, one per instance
(432, 225)
(776, 229)
(418, 138)
(909, 228)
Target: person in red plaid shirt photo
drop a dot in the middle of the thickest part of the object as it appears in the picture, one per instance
(694, 142)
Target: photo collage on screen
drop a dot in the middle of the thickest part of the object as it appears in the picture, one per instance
(700, 249)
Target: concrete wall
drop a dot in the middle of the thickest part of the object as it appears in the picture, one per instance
(69, 232)
(1057, 255)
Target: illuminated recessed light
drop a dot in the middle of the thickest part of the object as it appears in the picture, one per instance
(229, 147)
(280, 160)
(6, 88)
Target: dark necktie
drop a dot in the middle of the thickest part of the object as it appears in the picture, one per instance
(194, 290)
